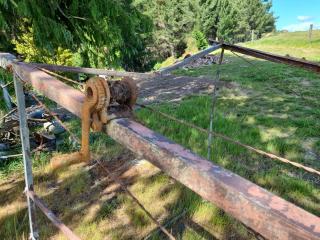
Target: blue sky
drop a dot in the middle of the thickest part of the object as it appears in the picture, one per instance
(296, 15)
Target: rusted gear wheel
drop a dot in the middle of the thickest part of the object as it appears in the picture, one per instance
(130, 83)
(98, 95)
(98, 91)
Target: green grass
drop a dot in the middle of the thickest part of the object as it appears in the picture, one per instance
(296, 44)
(270, 106)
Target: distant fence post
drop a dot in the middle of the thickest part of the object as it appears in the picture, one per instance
(24, 135)
(252, 35)
(310, 32)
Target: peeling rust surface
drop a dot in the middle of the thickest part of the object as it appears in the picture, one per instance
(66, 96)
(312, 66)
(50, 215)
(271, 216)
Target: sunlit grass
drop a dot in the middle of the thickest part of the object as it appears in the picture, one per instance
(270, 106)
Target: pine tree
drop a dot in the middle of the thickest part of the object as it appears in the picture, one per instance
(256, 15)
(233, 20)
(172, 21)
(219, 19)
(104, 32)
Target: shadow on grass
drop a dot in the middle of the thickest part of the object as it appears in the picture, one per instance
(266, 112)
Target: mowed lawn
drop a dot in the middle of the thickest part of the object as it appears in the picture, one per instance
(270, 106)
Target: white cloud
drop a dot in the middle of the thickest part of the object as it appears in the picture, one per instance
(304, 26)
(304, 18)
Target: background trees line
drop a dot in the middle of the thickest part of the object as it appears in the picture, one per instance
(131, 34)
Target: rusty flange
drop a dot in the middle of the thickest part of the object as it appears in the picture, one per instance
(94, 115)
(98, 96)
(96, 102)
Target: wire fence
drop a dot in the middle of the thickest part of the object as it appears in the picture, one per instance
(167, 116)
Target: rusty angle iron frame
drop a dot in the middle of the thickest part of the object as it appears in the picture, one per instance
(301, 63)
(262, 211)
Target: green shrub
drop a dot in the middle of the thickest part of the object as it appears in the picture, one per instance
(201, 40)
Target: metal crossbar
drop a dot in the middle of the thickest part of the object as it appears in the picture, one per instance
(134, 198)
(54, 220)
(51, 216)
(271, 216)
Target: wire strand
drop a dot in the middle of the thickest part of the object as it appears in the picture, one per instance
(226, 138)
(124, 188)
(59, 76)
(170, 236)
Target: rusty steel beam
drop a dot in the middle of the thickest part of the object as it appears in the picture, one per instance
(267, 214)
(50, 215)
(262, 211)
(312, 66)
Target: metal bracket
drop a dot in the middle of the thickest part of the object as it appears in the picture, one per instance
(99, 95)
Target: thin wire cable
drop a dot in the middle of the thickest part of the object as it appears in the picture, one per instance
(244, 59)
(267, 73)
(124, 188)
(10, 112)
(170, 236)
(75, 138)
(6, 85)
(214, 99)
(226, 138)
(59, 76)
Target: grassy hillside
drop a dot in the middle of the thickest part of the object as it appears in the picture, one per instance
(270, 106)
(295, 44)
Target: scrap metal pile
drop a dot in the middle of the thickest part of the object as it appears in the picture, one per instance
(204, 61)
(45, 134)
(106, 100)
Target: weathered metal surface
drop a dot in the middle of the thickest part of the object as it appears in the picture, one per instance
(260, 210)
(27, 163)
(273, 57)
(190, 59)
(124, 92)
(96, 71)
(49, 86)
(94, 115)
(50, 215)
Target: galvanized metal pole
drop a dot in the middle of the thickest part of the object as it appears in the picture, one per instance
(214, 96)
(190, 59)
(24, 135)
(262, 211)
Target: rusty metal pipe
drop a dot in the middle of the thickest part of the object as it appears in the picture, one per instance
(311, 66)
(271, 216)
(264, 212)
(50, 215)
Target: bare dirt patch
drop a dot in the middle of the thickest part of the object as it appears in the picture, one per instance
(172, 88)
